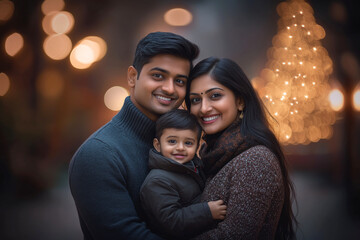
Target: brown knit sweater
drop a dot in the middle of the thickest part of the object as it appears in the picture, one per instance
(251, 186)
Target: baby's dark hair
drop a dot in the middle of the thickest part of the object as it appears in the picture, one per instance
(178, 119)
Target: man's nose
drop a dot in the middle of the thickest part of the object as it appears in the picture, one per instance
(168, 86)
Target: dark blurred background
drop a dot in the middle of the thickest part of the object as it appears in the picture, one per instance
(51, 106)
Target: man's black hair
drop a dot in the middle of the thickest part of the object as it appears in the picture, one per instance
(179, 119)
(163, 43)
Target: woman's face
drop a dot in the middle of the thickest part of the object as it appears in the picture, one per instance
(214, 105)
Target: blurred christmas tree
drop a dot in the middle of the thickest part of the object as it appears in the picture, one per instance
(296, 77)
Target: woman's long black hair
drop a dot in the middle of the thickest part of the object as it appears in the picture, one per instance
(254, 124)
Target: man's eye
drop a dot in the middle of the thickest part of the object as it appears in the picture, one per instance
(195, 100)
(180, 82)
(157, 75)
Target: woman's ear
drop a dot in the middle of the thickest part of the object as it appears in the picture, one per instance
(131, 76)
(240, 104)
(156, 144)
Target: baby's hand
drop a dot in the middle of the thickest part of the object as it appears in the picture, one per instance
(218, 209)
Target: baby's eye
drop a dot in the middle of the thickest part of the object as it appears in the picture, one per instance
(172, 141)
(188, 143)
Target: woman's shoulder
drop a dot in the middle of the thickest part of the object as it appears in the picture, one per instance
(260, 163)
(258, 156)
(258, 151)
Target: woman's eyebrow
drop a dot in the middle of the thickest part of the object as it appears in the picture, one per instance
(209, 90)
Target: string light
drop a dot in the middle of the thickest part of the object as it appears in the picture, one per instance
(298, 96)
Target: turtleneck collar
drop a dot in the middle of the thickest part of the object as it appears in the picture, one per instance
(132, 119)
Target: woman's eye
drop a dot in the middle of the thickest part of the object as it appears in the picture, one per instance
(216, 95)
(195, 100)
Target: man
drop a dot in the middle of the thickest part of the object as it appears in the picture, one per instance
(107, 171)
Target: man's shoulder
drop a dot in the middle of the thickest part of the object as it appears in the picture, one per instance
(111, 134)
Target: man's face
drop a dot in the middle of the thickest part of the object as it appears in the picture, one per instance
(160, 86)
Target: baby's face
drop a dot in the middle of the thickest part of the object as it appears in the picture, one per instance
(178, 145)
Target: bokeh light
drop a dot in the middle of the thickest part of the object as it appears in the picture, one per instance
(4, 84)
(114, 98)
(62, 22)
(50, 84)
(57, 46)
(88, 51)
(178, 17)
(336, 98)
(13, 44)
(84, 54)
(75, 62)
(6, 10)
(98, 46)
(47, 23)
(49, 6)
(356, 99)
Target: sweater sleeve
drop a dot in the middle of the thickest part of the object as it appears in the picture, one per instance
(253, 181)
(99, 189)
(163, 207)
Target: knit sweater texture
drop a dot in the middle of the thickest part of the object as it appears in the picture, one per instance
(106, 173)
(251, 186)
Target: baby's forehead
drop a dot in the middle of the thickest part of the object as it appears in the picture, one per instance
(176, 132)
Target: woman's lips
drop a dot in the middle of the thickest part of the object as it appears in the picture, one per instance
(210, 119)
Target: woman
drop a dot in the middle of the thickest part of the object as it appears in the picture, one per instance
(243, 160)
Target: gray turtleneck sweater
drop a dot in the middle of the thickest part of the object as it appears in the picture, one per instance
(106, 174)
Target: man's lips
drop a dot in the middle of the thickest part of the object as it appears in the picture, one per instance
(164, 100)
(210, 119)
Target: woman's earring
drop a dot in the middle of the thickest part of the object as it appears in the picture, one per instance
(241, 115)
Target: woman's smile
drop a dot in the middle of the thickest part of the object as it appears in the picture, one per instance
(213, 104)
(210, 119)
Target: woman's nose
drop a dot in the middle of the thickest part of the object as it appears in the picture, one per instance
(205, 106)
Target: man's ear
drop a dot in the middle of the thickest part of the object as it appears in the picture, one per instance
(132, 76)
(156, 144)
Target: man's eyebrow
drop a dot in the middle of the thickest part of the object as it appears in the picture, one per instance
(209, 90)
(182, 76)
(167, 72)
(159, 69)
